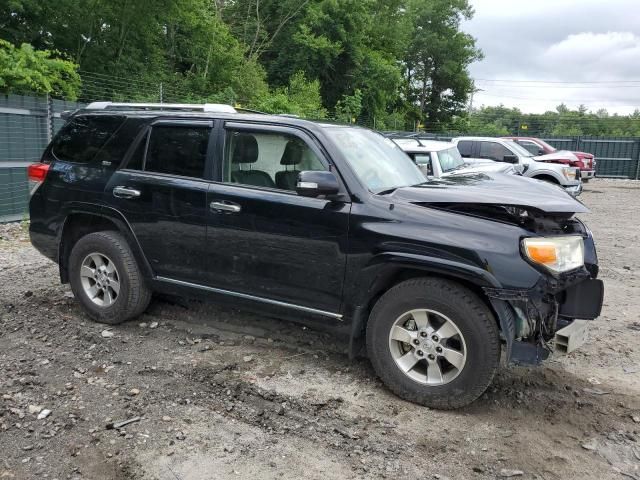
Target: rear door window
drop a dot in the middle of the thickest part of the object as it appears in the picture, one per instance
(173, 150)
(80, 140)
(464, 146)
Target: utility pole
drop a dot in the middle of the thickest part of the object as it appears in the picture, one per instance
(161, 92)
(473, 92)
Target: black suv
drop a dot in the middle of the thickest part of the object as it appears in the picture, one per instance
(317, 222)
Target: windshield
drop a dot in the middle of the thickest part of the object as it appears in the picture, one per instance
(378, 162)
(450, 159)
(545, 145)
(518, 149)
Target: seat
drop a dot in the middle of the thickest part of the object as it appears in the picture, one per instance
(245, 152)
(292, 156)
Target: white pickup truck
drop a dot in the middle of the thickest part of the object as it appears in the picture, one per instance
(481, 149)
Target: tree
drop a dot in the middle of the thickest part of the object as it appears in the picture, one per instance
(349, 107)
(437, 59)
(25, 70)
(301, 97)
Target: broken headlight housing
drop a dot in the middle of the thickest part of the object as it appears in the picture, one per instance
(557, 254)
(571, 173)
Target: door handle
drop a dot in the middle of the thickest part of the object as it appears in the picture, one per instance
(125, 192)
(225, 207)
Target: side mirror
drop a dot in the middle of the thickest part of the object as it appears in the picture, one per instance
(540, 151)
(316, 183)
(510, 159)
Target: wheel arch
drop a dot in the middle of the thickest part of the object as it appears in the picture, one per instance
(393, 273)
(546, 177)
(79, 223)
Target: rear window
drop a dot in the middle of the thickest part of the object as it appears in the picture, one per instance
(82, 138)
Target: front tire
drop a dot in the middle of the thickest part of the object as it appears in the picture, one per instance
(106, 279)
(433, 342)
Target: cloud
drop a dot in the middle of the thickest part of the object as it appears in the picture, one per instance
(557, 41)
(604, 56)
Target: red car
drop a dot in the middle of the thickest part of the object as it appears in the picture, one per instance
(586, 162)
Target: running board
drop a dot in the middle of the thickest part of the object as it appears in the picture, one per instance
(571, 337)
(246, 296)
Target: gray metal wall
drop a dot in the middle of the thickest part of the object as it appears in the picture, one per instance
(26, 126)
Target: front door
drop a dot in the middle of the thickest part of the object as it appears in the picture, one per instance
(264, 240)
(162, 193)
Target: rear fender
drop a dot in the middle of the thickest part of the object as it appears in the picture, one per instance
(101, 214)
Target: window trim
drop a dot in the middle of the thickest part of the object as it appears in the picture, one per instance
(309, 140)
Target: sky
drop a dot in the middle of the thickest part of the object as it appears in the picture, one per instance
(538, 54)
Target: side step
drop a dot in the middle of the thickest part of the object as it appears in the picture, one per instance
(571, 337)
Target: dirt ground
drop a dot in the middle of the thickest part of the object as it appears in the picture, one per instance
(225, 394)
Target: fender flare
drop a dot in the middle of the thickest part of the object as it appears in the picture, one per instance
(550, 173)
(384, 266)
(115, 217)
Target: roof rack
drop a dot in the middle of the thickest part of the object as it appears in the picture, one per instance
(205, 107)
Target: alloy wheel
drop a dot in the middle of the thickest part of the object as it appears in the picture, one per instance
(427, 346)
(100, 280)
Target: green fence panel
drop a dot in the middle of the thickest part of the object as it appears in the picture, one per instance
(14, 193)
(616, 157)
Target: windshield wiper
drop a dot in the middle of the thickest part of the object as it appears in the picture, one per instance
(457, 167)
(387, 191)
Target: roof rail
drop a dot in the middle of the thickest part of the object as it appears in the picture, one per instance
(205, 107)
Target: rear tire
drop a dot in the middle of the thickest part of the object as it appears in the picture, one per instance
(106, 279)
(433, 342)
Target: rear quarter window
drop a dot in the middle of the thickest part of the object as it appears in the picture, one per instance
(80, 140)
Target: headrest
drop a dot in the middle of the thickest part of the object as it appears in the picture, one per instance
(292, 154)
(245, 149)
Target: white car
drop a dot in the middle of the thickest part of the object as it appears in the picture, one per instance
(500, 150)
(440, 159)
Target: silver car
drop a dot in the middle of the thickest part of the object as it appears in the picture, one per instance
(440, 159)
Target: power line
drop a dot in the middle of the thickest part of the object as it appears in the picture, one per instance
(558, 81)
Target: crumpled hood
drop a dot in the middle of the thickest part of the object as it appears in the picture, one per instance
(559, 155)
(486, 166)
(491, 189)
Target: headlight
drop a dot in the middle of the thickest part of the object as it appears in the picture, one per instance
(571, 173)
(558, 254)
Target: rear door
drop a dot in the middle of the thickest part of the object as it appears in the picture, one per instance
(264, 240)
(162, 193)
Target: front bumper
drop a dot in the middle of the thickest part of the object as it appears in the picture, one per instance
(574, 190)
(587, 174)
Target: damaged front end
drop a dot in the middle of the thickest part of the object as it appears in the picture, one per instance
(530, 319)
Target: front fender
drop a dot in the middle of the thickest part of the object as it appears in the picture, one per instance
(379, 274)
(384, 266)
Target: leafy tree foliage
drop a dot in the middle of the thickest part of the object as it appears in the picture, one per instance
(561, 122)
(405, 61)
(26, 70)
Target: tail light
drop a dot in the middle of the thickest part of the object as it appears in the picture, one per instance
(36, 173)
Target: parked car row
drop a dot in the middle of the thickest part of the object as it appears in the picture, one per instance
(586, 162)
(334, 225)
(487, 154)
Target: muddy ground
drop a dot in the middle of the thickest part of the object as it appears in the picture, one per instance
(226, 394)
